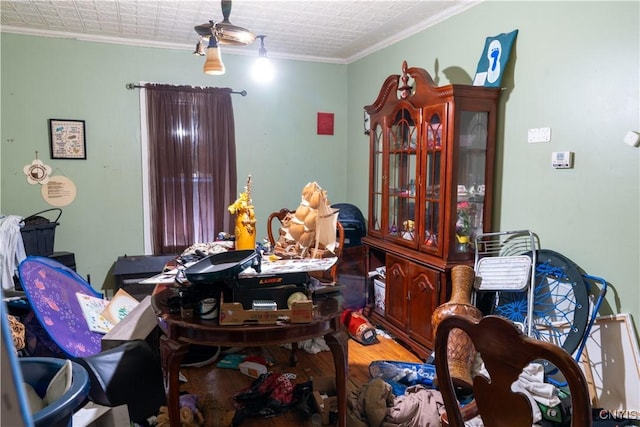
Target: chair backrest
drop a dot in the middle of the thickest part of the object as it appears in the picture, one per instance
(280, 215)
(273, 227)
(505, 351)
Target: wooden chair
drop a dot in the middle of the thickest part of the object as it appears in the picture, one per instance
(280, 215)
(274, 222)
(331, 275)
(505, 351)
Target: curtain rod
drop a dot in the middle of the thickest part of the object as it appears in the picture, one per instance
(131, 86)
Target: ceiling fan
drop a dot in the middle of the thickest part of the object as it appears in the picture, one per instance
(224, 31)
(215, 33)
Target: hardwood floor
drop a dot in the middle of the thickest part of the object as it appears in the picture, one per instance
(215, 387)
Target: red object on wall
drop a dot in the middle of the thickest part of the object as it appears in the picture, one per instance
(325, 123)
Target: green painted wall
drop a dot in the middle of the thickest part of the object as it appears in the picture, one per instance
(575, 68)
(69, 79)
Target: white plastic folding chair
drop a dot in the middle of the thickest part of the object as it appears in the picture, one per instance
(505, 261)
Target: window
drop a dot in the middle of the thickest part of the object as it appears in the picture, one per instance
(191, 165)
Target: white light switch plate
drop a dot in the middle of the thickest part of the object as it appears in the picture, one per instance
(539, 135)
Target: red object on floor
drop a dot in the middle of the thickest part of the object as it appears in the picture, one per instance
(258, 359)
(359, 327)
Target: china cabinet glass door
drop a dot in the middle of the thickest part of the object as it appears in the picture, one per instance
(375, 225)
(403, 168)
(471, 178)
(432, 194)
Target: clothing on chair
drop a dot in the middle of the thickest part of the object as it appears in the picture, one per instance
(11, 249)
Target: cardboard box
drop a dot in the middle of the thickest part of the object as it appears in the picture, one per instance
(325, 397)
(278, 294)
(140, 323)
(94, 415)
(233, 313)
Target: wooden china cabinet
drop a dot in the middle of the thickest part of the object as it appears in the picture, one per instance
(430, 191)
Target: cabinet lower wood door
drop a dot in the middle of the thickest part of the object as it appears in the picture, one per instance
(396, 303)
(412, 294)
(423, 297)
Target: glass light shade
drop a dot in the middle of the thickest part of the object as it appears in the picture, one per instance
(213, 64)
(263, 70)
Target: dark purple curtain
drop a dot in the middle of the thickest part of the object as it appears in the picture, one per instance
(192, 164)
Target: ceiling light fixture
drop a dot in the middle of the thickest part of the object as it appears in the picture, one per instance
(213, 64)
(263, 68)
(224, 33)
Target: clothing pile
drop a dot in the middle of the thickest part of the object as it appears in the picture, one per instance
(375, 405)
(404, 395)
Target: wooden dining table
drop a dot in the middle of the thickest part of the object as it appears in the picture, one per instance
(180, 332)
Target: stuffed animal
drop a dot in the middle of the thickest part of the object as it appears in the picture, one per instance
(369, 406)
(190, 415)
(310, 231)
(377, 398)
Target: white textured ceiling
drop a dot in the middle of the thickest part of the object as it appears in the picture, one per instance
(338, 31)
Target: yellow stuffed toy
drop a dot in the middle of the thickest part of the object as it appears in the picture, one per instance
(190, 415)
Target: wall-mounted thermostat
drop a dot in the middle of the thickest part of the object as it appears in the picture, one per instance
(562, 159)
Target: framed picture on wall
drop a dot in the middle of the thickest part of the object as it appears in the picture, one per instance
(67, 139)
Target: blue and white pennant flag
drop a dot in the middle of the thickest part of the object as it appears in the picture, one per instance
(494, 59)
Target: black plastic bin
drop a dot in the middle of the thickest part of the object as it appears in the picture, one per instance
(38, 233)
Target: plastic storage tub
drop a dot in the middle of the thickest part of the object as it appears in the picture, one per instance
(38, 372)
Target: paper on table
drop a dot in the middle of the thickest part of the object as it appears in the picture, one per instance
(268, 268)
(164, 277)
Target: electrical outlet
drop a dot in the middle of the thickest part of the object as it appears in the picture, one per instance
(539, 135)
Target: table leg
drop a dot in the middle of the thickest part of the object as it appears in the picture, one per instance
(293, 356)
(171, 354)
(337, 342)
